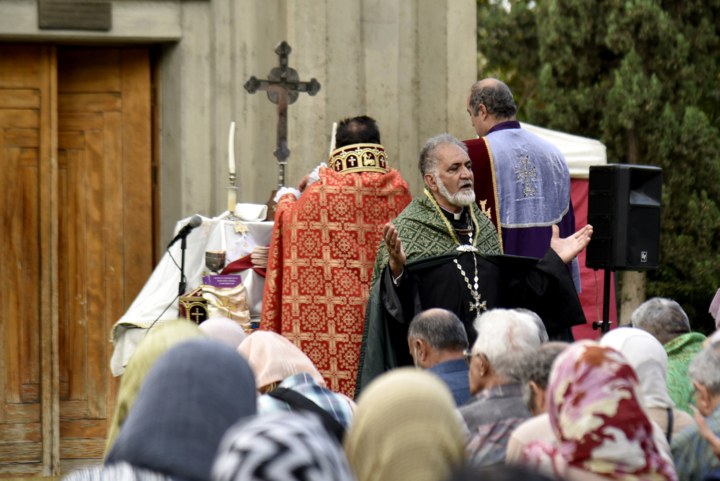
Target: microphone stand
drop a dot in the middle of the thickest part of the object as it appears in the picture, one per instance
(183, 280)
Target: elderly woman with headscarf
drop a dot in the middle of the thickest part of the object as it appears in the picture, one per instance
(650, 361)
(405, 427)
(147, 352)
(280, 446)
(288, 380)
(193, 394)
(602, 429)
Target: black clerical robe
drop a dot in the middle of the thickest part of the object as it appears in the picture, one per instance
(544, 286)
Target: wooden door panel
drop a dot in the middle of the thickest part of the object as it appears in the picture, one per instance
(19, 99)
(104, 158)
(98, 102)
(22, 413)
(25, 336)
(76, 233)
(90, 70)
(22, 138)
(21, 66)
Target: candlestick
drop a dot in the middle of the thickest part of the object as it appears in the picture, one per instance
(232, 198)
(231, 149)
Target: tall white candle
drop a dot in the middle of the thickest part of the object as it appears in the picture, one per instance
(332, 140)
(231, 148)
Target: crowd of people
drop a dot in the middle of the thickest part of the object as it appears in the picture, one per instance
(400, 341)
(210, 403)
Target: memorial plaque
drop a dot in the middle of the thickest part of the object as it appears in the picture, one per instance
(72, 15)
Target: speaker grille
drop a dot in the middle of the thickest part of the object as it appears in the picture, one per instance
(624, 210)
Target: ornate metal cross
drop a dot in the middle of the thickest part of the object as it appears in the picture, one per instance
(283, 88)
(477, 305)
(525, 172)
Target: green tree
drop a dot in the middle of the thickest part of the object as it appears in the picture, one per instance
(643, 76)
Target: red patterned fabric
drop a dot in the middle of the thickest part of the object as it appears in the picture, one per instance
(596, 411)
(320, 264)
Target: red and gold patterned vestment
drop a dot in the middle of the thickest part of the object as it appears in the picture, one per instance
(321, 259)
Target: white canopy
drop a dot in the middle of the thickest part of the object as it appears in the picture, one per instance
(580, 152)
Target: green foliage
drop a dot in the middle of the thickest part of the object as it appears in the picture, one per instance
(643, 76)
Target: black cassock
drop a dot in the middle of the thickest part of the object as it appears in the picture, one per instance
(544, 286)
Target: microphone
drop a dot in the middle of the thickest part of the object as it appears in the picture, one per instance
(195, 221)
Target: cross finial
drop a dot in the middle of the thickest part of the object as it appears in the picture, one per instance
(283, 87)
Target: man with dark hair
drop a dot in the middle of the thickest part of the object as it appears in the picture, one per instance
(357, 130)
(437, 339)
(522, 182)
(351, 131)
(323, 248)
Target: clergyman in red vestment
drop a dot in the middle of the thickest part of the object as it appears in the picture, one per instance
(323, 250)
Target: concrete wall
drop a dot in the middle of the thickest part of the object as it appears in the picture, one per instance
(407, 63)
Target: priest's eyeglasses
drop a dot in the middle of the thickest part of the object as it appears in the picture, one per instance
(468, 355)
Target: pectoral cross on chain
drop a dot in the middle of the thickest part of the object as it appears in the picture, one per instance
(477, 305)
(283, 87)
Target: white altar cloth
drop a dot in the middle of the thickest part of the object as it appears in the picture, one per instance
(216, 234)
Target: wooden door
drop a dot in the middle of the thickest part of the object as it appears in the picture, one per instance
(76, 243)
(28, 320)
(105, 228)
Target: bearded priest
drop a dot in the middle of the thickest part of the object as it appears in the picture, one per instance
(442, 252)
(323, 250)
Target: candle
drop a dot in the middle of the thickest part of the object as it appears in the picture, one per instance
(231, 148)
(332, 141)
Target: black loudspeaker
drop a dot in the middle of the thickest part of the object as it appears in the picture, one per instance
(624, 210)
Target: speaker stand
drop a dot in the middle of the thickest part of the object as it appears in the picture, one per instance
(604, 325)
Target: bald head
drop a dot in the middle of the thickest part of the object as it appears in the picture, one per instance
(495, 96)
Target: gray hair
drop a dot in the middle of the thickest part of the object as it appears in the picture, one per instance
(495, 96)
(538, 322)
(663, 318)
(536, 367)
(705, 368)
(429, 157)
(505, 337)
(441, 329)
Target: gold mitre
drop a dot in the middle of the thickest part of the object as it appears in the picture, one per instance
(359, 158)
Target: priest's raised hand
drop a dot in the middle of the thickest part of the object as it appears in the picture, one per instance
(393, 244)
(568, 248)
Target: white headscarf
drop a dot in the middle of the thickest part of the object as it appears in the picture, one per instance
(649, 360)
(224, 330)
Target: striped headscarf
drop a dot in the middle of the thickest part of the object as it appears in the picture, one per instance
(280, 446)
(595, 409)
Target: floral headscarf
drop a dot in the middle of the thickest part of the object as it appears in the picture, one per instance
(594, 406)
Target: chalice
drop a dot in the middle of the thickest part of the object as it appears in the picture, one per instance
(215, 260)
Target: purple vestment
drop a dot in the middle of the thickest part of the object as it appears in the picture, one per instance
(533, 183)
